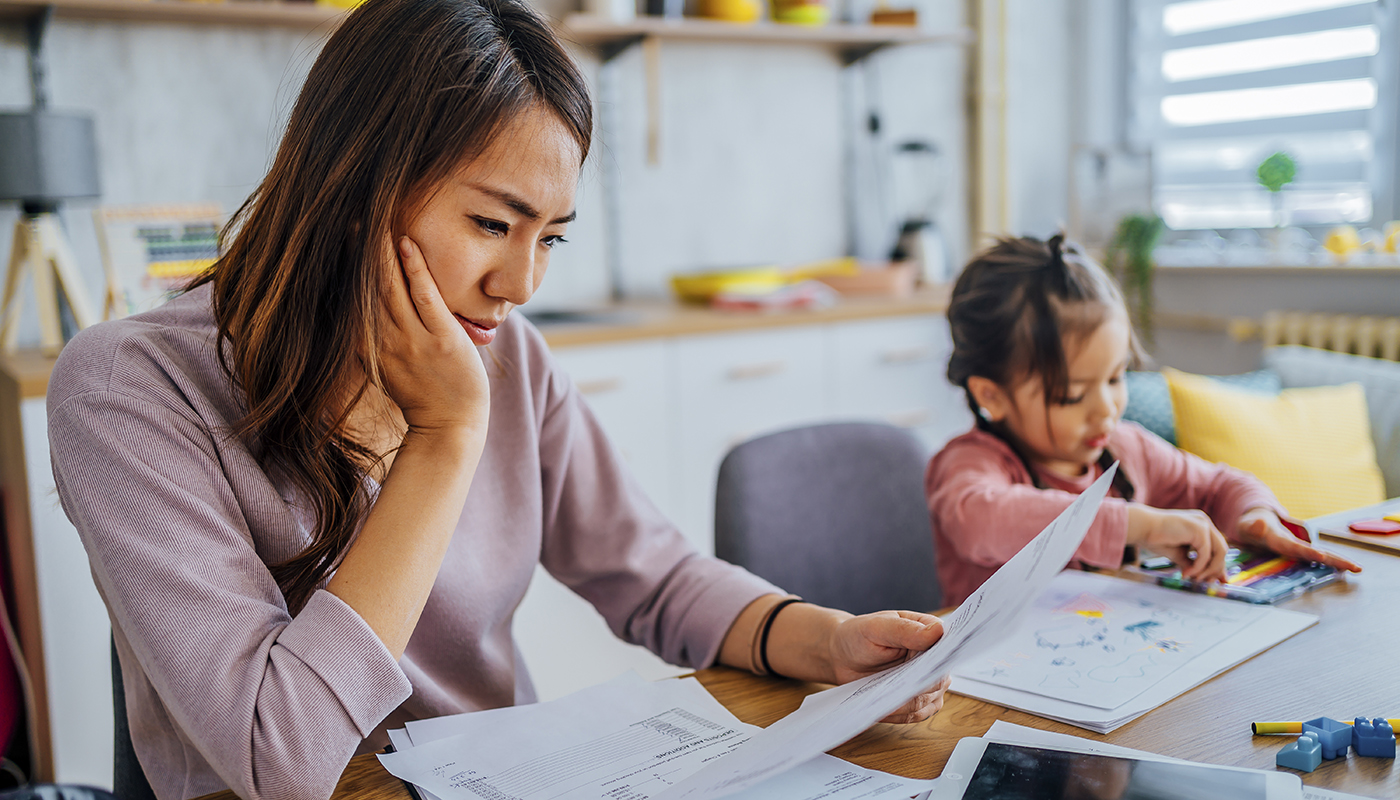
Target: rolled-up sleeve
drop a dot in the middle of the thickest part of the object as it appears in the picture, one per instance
(276, 704)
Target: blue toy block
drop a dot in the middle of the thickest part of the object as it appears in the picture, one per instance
(1304, 754)
(1335, 736)
(1374, 738)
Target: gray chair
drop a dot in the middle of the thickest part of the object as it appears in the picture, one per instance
(834, 513)
(128, 779)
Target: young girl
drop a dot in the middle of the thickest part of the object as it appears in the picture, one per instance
(312, 507)
(1041, 340)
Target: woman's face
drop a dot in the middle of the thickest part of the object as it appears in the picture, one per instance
(487, 231)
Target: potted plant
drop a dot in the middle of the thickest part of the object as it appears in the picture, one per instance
(1129, 257)
(1274, 173)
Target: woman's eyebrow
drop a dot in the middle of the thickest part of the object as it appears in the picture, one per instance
(520, 206)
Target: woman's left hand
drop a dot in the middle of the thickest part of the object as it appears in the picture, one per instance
(870, 643)
(1262, 528)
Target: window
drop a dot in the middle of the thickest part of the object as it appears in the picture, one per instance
(1221, 84)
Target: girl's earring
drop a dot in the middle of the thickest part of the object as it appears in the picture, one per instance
(984, 414)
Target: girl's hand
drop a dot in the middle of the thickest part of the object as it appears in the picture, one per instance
(870, 643)
(1176, 534)
(430, 367)
(1262, 528)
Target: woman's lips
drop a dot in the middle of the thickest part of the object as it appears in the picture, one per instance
(1097, 442)
(481, 333)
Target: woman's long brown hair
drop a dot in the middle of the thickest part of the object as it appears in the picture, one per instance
(403, 91)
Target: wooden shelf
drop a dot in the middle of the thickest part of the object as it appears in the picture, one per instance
(580, 28)
(234, 12)
(593, 30)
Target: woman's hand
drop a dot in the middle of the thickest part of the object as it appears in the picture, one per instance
(810, 643)
(871, 643)
(430, 367)
(1176, 534)
(1261, 528)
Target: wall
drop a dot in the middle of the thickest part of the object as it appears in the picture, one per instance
(754, 149)
(1038, 115)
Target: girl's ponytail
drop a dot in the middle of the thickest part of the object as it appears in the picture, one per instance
(1016, 302)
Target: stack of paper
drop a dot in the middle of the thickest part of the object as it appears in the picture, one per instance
(1098, 652)
(624, 740)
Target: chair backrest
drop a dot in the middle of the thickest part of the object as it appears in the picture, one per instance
(834, 513)
(128, 780)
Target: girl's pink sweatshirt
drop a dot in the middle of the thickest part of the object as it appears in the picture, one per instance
(985, 507)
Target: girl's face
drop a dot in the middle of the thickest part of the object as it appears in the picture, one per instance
(1067, 437)
(487, 231)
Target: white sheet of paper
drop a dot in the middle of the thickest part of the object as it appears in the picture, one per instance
(1011, 733)
(623, 740)
(1101, 641)
(1273, 627)
(831, 717)
(482, 723)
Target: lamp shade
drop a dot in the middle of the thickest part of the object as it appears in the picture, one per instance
(46, 157)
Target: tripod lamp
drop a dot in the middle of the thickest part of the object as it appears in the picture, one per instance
(45, 157)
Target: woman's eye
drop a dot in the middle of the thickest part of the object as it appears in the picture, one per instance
(491, 226)
(553, 241)
(1069, 401)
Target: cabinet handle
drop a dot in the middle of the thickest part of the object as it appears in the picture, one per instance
(909, 419)
(600, 386)
(907, 356)
(748, 372)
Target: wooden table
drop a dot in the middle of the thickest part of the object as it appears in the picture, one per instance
(1347, 664)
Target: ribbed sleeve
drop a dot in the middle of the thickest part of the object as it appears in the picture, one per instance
(275, 705)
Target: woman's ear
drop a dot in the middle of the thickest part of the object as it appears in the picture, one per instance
(990, 397)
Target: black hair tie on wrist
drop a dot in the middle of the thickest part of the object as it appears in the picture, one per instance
(767, 629)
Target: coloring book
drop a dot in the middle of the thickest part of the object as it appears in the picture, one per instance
(1101, 641)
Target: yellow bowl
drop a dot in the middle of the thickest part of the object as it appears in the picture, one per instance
(731, 10)
(800, 13)
(699, 287)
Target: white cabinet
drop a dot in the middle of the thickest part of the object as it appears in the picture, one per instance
(732, 387)
(676, 404)
(893, 370)
(627, 386)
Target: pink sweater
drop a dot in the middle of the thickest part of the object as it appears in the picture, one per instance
(985, 506)
(224, 688)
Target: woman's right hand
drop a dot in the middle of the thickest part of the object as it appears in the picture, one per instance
(430, 367)
(1176, 534)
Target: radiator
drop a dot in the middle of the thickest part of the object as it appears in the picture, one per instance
(1377, 337)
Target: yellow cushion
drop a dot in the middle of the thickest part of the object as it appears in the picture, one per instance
(1312, 446)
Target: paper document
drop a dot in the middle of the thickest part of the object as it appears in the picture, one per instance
(1097, 651)
(831, 717)
(624, 740)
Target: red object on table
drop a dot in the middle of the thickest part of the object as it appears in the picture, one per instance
(1378, 527)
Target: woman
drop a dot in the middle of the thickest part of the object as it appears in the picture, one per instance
(312, 507)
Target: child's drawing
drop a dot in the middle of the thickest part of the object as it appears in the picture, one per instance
(1144, 628)
(1102, 641)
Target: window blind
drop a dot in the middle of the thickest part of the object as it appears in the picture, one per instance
(1221, 84)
